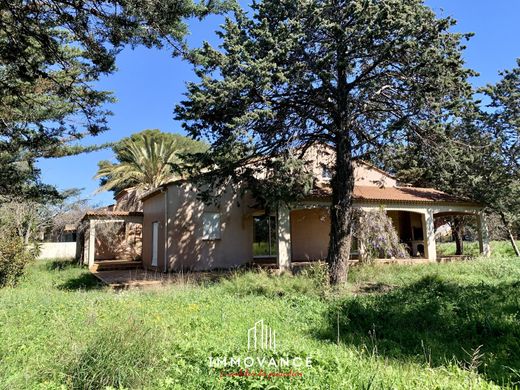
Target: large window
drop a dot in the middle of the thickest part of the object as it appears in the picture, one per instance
(211, 226)
(264, 236)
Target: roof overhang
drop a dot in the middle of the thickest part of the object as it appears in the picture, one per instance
(111, 214)
(398, 195)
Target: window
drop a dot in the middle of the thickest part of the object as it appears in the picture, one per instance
(264, 236)
(326, 172)
(211, 226)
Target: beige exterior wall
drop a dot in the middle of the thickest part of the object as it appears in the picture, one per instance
(110, 237)
(128, 200)
(310, 231)
(109, 240)
(365, 175)
(153, 210)
(188, 250)
(186, 247)
(118, 240)
(133, 245)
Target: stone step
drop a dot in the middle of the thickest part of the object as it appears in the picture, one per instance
(106, 265)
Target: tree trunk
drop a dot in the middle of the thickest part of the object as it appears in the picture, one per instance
(513, 242)
(341, 212)
(458, 233)
(510, 234)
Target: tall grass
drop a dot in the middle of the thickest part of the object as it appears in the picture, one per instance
(60, 329)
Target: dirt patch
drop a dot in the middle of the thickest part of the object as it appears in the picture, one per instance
(139, 278)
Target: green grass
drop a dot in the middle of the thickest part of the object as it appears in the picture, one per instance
(61, 329)
(499, 248)
(262, 249)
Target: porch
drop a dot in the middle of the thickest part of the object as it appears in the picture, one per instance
(302, 232)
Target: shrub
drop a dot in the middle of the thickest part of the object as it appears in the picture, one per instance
(14, 257)
(376, 233)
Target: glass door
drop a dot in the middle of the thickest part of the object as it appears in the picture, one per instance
(264, 236)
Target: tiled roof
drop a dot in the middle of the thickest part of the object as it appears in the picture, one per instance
(404, 194)
(105, 213)
(396, 194)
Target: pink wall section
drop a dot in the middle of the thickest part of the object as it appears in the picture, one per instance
(186, 248)
(310, 230)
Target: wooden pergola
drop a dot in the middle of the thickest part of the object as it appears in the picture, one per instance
(92, 219)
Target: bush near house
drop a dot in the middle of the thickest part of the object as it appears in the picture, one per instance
(14, 258)
(408, 327)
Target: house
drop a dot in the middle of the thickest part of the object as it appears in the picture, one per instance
(180, 232)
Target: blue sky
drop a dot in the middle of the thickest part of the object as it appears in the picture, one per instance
(149, 82)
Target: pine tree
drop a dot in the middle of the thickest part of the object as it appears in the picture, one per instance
(51, 52)
(452, 166)
(501, 170)
(479, 159)
(353, 74)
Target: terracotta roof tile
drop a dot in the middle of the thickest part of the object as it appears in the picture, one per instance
(406, 194)
(105, 213)
(396, 194)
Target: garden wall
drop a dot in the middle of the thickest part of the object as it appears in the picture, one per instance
(57, 250)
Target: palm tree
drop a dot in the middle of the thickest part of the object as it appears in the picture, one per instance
(145, 161)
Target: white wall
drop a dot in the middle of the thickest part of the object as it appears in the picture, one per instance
(57, 250)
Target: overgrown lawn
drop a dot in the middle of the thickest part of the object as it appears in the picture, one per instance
(418, 327)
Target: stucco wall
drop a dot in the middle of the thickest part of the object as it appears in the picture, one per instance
(365, 175)
(310, 230)
(188, 250)
(153, 209)
(57, 250)
(318, 156)
(109, 238)
(118, 240)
